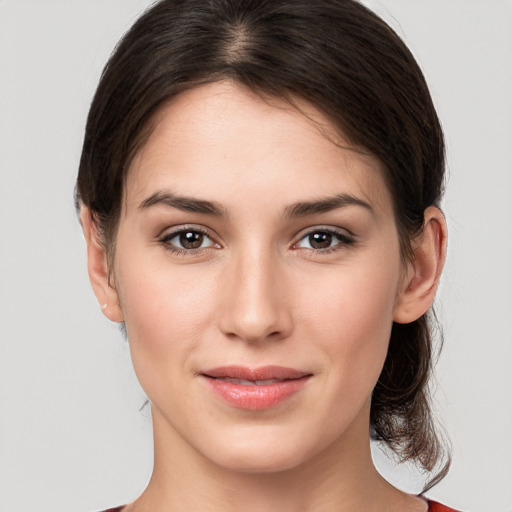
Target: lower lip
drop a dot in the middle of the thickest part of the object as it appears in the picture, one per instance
(256, 398)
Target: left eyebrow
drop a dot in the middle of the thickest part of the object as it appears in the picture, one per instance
(304, 208)
(183, 203)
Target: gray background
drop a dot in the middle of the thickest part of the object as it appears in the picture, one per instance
(71, 434)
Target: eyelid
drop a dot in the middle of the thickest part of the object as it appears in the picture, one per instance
(180, 228)
(169, 233)
(345, 237)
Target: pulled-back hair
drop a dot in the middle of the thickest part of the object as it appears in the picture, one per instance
(335, 54)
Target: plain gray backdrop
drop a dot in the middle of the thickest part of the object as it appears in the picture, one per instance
(71, 434)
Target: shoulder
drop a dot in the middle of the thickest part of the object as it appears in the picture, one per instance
(433, 506)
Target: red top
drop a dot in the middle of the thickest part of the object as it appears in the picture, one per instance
(437, 507)
(433, 506)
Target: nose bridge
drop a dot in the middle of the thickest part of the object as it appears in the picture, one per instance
(254, 307)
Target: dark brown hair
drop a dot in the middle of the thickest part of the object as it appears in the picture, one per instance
(335, 54)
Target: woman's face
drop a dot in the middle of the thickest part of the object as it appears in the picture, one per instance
(258, 271)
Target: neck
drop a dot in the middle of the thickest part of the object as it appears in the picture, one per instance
(341, 477)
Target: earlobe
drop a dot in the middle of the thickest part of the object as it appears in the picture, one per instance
(424, 271)
(97, 266)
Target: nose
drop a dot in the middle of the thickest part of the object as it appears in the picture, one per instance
(255, 299)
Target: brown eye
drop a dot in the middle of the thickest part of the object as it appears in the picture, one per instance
(324, 240)
(191, 239)
(187, 240)
(321, 240)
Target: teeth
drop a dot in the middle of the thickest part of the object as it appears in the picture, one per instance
(244, 382)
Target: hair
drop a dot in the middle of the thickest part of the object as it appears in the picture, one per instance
(341, 58)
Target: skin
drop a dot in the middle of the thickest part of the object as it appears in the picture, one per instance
(259, 293)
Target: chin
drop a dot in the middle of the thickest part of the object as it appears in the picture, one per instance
(254, 463)
(261, 453)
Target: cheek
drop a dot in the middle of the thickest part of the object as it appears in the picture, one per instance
(352, 317)
(157, 294)
(166, 312)
(357, 298)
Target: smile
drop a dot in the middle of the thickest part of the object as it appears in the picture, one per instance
(244, 382)
(255, 389)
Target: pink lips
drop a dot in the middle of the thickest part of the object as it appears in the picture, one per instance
(255, 389)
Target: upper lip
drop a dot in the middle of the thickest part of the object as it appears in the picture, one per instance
(255, 374)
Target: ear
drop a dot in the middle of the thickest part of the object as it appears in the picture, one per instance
(424, 271)
(97, 266)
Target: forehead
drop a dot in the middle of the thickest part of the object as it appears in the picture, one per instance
(221, 141)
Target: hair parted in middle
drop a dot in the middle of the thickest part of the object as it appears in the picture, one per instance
(345, 61)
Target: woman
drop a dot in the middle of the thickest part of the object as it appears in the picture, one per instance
(259, 191)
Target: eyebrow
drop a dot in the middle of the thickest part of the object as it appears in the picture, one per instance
(299, 209)
(183, 203)
(304, 208)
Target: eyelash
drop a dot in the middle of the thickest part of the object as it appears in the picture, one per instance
(166, 241)
(344, 241)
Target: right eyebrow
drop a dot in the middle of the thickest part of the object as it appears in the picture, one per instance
(184, 203)
(327, 204)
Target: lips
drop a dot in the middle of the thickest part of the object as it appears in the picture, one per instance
(244, 382)
(255, 388)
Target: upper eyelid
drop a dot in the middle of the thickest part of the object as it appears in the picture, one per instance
(329, 229)
(165, 238)
(176, 230)
(170, 232)
(341, 233)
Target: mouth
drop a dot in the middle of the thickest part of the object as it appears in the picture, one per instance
(243, 382)
(255, 388)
